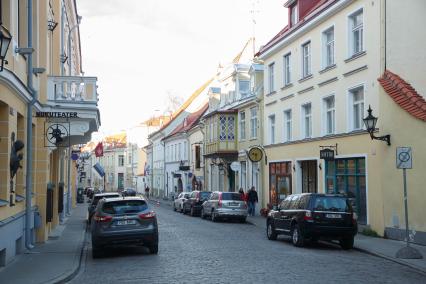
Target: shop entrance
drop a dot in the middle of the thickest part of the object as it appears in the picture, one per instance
(309, 176)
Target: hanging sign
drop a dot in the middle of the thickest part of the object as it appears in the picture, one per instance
(327, 154)
(255, 154)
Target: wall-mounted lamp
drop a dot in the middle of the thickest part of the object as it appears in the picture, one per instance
(319, 166)
(51, 24)
(63, 58)
(5, 39)
(370, 123)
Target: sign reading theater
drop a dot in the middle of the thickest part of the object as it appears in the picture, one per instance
(57, 114)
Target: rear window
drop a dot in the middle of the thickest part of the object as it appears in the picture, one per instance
(124, 206)
(204, 194)
(231, 196)
(97, 198)
(328, 203)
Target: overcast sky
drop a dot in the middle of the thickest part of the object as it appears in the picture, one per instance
(143, 50)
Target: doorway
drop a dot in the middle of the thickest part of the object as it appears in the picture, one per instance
(309, 176)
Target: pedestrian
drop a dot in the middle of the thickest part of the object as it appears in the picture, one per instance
(252, 200)
(241, 192)
(147, 192)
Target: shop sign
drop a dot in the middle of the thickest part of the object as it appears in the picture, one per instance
(184, 168)
(56, 114)
(255, 154)
(327, 154)
(177, 175)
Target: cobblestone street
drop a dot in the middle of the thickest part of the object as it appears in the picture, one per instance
(193, 250)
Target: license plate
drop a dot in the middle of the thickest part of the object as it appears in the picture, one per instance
(233, 204)
(333, 216)
(126, 222)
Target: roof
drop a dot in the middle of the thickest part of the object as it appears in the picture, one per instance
(286, 31)
(189, 122)
(403, 94)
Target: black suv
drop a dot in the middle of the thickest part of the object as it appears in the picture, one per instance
(194, 202)
(314, 216)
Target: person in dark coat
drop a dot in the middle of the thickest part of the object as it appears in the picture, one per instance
(252, 199)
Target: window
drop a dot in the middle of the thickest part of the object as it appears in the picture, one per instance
(328, 47)
(242, 125)
(120, 160)
(330, 118)
(286, 65)
(244, 175)
(293, 15)
(222, 135)
(244, 87)
(307, 121)
(197, 157)
(185, 145)
(271, 77)
(287, 125)
(253, 122)
(271, 129)
(356, 37)
(231, 128)
(356, 96)
(306, 59)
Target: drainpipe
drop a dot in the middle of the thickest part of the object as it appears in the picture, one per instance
(28, 166)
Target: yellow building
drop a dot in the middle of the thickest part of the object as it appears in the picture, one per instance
(321, 75)
(47, 105)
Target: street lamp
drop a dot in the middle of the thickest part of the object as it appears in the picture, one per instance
(370, 123)
(5, 39)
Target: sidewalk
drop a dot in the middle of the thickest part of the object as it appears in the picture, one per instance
(380, 247)
(55, 261)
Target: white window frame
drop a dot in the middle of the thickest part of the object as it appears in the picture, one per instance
(271, 77)
(288, 125)
(351, 31)
(306, 130)
(247, 93)
(253, 122)
(325, 116)
(326, 45)
(306, 60)
(271, 123)
(287, 69)
(242, 126)
(351, 108)
(294, 15)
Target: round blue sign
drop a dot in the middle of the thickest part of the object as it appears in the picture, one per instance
(74, 156)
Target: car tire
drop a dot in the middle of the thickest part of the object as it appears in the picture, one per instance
(153, 249)
(202, 214)
(347, 243)
(214, 217)
(181, 209)
(242, 220)
(96, 251)
(297, 237)
(270, 231)
(192, 212)
(174, 207)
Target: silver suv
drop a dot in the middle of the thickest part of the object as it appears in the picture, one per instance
(225, 205)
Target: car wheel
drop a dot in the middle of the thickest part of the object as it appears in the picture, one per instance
(270, 231)
(214, 217)
(181, 209)
(347, 243)
(243, 220)
(174, 207)
(153, 249)
(192, 212)
(297, 236)
(202, 214)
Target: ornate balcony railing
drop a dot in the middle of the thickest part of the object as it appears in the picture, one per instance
(72, 89)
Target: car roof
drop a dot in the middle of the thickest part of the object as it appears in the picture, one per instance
(125, 198)
(107, 194)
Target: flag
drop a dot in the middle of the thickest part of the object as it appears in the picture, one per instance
(99, 150)
(99, 169)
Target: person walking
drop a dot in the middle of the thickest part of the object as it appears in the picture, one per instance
(252, 199)
(147, 192)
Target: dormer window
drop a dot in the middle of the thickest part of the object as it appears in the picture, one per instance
(294, 17)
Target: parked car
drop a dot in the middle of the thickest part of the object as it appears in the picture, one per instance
(225, 205)
(95, 200)
(178, 202)
(128, 192)
(124, 221)
(314, 216)
(194, 202)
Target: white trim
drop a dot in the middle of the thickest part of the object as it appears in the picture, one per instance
(284, 69)
(335, 8)
(285, 136)
(324, 114)
(349, 105)
(323, 44)
(302, 121)
(302, 45)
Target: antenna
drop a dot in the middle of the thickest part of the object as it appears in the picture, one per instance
(254, 11)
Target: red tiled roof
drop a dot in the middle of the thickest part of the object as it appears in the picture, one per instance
(286, 31)
(190, 121)
(403, 94)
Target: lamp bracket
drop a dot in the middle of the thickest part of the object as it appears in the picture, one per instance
(385, 138)
(24, 50)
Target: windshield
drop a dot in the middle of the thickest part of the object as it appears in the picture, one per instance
(231, 196)
(124, 206)
(329, 203)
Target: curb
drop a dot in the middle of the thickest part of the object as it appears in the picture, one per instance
(376, 254)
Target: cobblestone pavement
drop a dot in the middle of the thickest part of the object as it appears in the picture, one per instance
(193, 250)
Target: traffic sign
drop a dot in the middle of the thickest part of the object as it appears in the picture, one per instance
(235, 166)
(404, 158)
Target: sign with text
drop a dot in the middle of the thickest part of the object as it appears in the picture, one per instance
(327, 154)
(404, 158)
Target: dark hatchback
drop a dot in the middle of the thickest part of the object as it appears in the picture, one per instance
(124, 221)
(313, 216)
(194, 202)
(95, 200)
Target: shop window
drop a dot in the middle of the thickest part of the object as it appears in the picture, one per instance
(279, 181)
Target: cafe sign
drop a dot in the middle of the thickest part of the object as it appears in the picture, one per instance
(327, 154)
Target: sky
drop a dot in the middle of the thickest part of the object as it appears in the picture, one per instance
(143, 51)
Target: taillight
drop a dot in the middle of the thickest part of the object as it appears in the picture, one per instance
(102, 219)
(149, 215)
(308, 216)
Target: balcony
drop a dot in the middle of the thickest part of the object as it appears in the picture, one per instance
(78, 95)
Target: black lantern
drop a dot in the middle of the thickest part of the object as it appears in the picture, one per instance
(5, 39)
(370, 123)
(51, 24)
